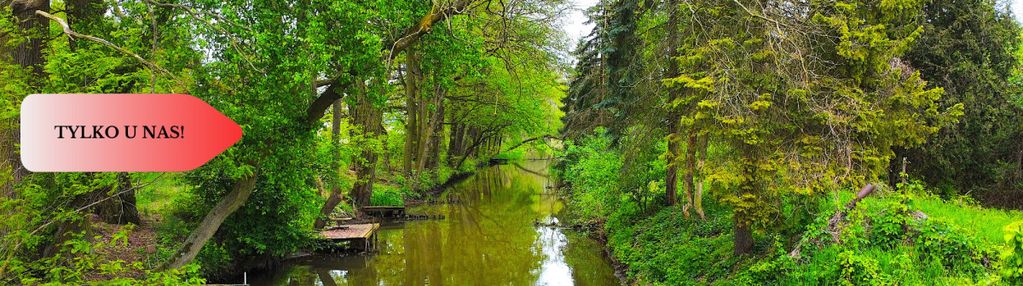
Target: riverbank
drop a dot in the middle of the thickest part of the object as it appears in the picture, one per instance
(919, 239)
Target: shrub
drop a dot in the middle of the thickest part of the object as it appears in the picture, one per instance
(1012, 256)
(384, 195)
(592, 171)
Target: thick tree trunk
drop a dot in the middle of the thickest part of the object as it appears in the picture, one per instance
(362, 191)
(369, 117)
(436, 134)
(412, 79)
(743, 241)
(742, 232)
(27, 54)
(240, 192)
(30, 53)
(121, 208)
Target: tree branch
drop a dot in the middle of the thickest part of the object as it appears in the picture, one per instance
(73, 35)
(423, 27)
(410, 36)
(319, 106)
(544, 137)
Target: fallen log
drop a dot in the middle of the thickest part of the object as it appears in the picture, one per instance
(840, 215)
(833, 223)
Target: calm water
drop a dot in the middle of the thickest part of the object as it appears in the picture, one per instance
(488, 238)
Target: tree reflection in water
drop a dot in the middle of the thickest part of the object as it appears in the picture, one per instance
(488, 238)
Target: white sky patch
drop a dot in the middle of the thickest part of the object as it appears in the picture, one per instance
(1017, 9)
(574, 20)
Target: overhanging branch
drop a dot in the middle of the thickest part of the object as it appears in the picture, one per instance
(76, 35)
(411, 35)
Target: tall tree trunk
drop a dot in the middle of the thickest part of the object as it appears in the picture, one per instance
(455, 142)
(691, 146)
(698, 195)
(369, 118)
(240, 192)
(436, 135)
(671, 170)
(412, 79)
(742, 232)
(424, 133)
(28, 54)
(336, 195)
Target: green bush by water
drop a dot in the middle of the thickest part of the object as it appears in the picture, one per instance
(386, 195)
(882, 243)
(911, 238)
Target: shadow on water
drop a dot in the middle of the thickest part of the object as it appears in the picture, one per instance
(489, 238)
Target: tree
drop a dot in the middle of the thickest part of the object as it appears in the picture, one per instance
(800, 114)
(967, 48)
(27, 55)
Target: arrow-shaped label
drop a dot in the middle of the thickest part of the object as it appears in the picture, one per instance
(121, 132)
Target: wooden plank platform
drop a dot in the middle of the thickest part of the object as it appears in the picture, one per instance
(383, 211)
(360, 236)
(351, 231)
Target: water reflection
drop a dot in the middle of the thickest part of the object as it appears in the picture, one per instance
(489, 238)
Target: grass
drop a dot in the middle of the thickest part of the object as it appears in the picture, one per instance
(387, 195)
(159, 192)
(957, 244)
(984, 223)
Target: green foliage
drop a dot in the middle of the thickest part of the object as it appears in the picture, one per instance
(859, 270)
(1012, 256)
(79, 260)
(384, 195)
(882, 242)
(970, 49)
(592, 171)
(664, 249)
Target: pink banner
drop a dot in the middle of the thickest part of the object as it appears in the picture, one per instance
(121, 132)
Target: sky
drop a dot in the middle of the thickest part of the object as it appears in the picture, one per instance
(575, 29)
(573, 23)
(1017, 9)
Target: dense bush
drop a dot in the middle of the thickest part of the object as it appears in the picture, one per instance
(84, 260)
(888, 239)
(592, 169)
(883, 242)
(384, 195)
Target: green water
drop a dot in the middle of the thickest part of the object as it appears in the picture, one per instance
(488, 238)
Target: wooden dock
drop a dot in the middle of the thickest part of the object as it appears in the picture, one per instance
(359, 236)
(383, 211)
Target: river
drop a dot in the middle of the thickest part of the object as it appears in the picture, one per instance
(489, 236)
